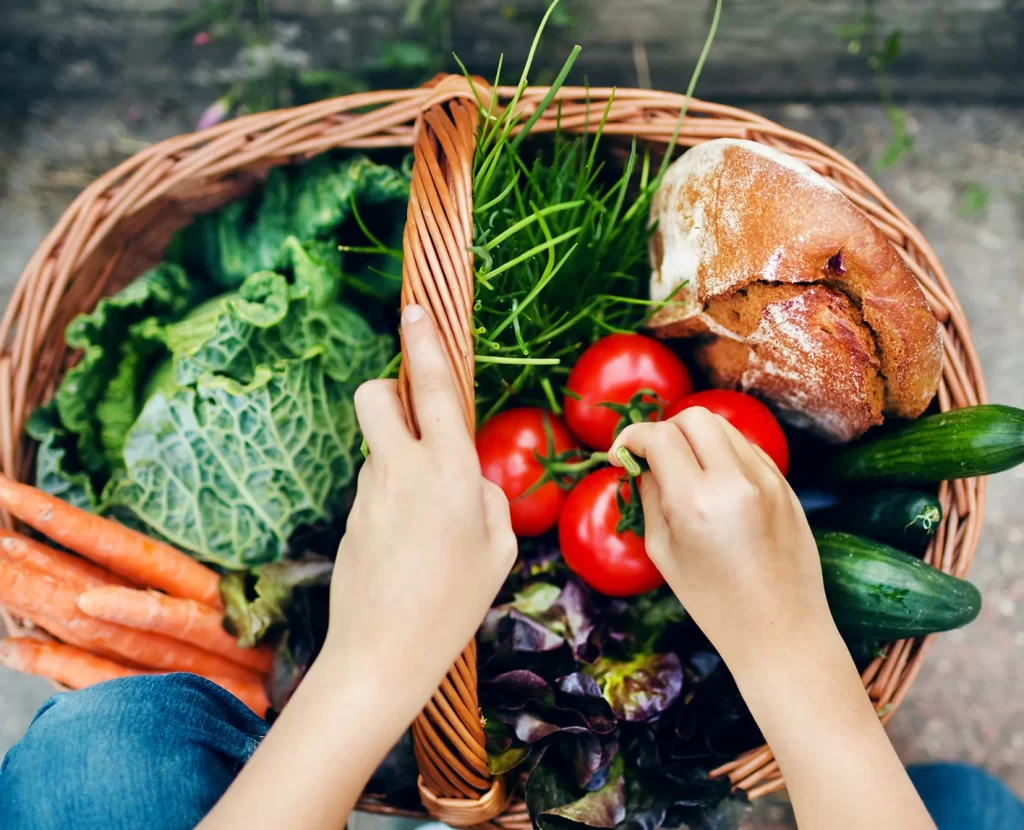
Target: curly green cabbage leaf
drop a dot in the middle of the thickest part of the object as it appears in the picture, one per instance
(56, 472)
(245, 237)
(254, 435)
(82, 429)
(225, 423)
(98, 399)
(229, 470)
(270, 319)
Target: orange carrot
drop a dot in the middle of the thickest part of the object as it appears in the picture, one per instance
(31, 591)
(62, 631)
(67, 665)
(127, 552)
(251, 694)
(63, 567)
(183, 619)
(76, 668)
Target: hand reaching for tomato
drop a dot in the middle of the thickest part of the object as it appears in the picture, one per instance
(728, 534)
(607, 380)
(752, 419)
(610, 560)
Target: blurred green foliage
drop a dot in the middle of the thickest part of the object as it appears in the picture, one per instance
(864, 37)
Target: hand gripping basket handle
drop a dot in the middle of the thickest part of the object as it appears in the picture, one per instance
(437, 273)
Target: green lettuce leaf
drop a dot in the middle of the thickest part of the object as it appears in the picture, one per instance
(223, 425)
(311, 203)
(251, 614)
(228, 470)
(56, 472)
(269, 320)
(99, 397)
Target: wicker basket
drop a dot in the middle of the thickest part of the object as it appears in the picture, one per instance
(121, 223)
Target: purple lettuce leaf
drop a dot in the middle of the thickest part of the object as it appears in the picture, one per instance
(581, 693)
(514, 689)
(640, 688)
(554, 802)
(499, 763)
(604, 807)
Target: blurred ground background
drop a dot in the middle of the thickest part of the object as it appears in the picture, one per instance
(927, 96)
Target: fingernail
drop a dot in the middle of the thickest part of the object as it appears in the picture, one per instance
(413, 314)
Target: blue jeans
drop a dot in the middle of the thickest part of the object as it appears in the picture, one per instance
(157, 752)
(143, 752)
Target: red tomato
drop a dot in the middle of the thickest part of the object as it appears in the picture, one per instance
(752, 418)
(613, 370)
(506, 445)
(614, 564)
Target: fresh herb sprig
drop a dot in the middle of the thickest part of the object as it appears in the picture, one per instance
(560, 244)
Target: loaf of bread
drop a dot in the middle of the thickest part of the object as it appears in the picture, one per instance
(796, 296)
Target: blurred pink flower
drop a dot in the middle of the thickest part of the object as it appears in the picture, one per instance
(215, 113)
(201, 38)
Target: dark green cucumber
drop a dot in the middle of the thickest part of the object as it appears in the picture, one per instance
(974, 441)
(905, 519)
(876, 592)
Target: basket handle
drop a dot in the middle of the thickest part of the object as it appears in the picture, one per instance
(437, 273)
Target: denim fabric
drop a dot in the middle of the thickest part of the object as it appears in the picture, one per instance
(143, 752)
(155, 753)
(960, 797)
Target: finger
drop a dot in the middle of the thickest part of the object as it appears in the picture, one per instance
(664, 447)
(435, 396)
(746, 452)
(706, 437)
(768, 462)
(364, 494)
(773, 468)
(656, 533)
(668, 454)
(380, 415)
(499, 525)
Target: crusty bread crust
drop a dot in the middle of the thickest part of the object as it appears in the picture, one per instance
(736, 216)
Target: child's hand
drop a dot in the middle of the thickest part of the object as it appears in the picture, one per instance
(729, 535)
(429, 541)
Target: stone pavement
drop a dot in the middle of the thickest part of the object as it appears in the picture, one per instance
(962, 184)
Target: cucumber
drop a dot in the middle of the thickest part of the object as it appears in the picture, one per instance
(876, 592)
(974, 441)
(905, 519)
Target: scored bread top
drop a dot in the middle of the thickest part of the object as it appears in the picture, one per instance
(733, 214)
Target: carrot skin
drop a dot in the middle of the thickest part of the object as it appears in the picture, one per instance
(182, 619)
(37, 593)
(72, 667)
(63, 567)
(133, 555)
(76, 668)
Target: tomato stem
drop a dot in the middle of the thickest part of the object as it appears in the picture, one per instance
(574, 468)
(549, 393)
(630, 463)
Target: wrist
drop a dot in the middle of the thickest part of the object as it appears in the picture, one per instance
(787, 647)
(357, 695)
(811, 678)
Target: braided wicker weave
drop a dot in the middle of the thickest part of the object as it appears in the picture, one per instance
(121, 223)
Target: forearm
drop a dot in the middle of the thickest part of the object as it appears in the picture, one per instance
(840, 768)
(311, 768)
